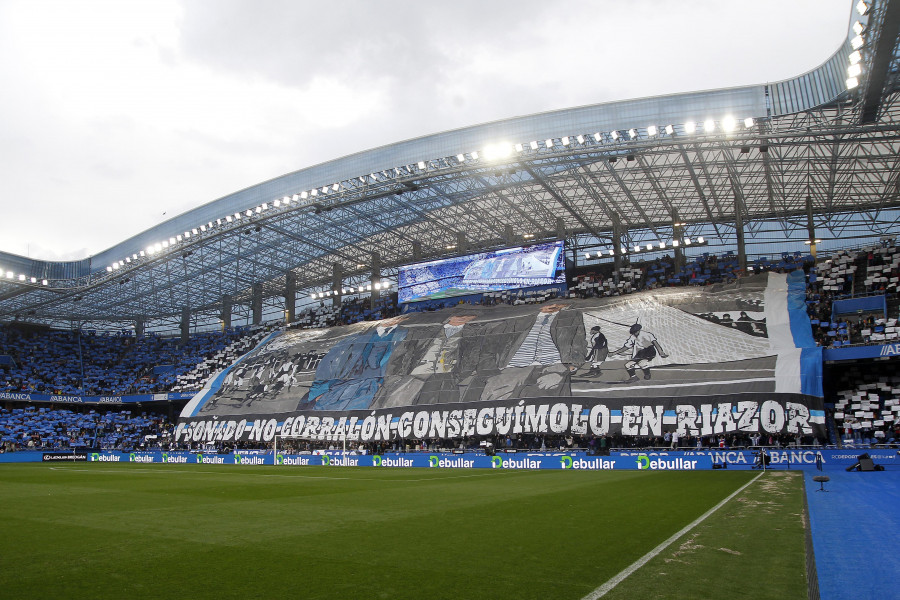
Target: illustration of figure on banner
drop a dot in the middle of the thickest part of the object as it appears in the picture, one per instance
(598, 350)
(424, 367)
(349, 376)
(644, 347)
(546, 349)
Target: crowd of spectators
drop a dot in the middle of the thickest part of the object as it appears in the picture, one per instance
(89, 363)
(47, 428)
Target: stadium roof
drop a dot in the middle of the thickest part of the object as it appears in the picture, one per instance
(814, 156)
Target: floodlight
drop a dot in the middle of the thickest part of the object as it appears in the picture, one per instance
(109, 269)
(709, 126)
(700, 240)
(228, 219)
(33, 280)
(142, 254)
(675, 243)
(368, 288)
(316, 192)
(579, 138)
(115, 266)
(377, 285)
(587, 255)
(749, 122)
(474, 155)
(687, 241)
(669, 130)
(277, 203)
(519, 148)
(612, 252)
(10, 274)
(598, 137)
(690, 127)
(662, 245)
(21, 277)
(855, 57)
(637, 248)
(461, 157)
(852, 82)
(159, 246)
(128, 259)
(172, 241)
(249, 212)
(565, 140)
(623, 250)
(729, 124)
(614, 134)
(325, 189)
(652, 130)
(858, 28)
(649, 246)
(44, 282)
(303, 195)
(534, 145)
(548, 143)
(862, 8)
(422, 165)
(857, 42)
(854, 70)
(632, 133)
(179, 238)
(194, 230)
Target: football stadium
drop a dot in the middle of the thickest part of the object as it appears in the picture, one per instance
(639, 349)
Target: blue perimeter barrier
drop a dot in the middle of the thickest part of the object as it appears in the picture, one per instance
(617, 460)
(29, 397)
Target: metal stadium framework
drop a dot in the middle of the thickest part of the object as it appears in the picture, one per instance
(756, 169)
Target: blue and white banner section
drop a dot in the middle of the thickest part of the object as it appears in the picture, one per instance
(781, 458)
(59, 399)
(638, 417)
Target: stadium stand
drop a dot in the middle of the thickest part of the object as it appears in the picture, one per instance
(45, 428)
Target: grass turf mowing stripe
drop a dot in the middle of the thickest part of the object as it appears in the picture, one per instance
(609, 585)
(333, 532)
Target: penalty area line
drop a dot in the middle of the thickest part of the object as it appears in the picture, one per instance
(609, 585)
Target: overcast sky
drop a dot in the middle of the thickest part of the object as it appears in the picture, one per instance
(117, 115)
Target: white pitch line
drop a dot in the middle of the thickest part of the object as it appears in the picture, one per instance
(609, 585)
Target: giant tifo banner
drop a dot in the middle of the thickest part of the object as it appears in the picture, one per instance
(701, 361)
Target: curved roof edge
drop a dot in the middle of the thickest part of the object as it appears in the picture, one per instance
(821, 85)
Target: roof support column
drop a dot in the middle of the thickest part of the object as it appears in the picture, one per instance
(337, 281)
(416, 250)
(811, 228)
(618, 234)
(139, 327)
(739, 233)
(678, 234)
(256, 303)
(290, 297)
(226, 312)
(185, 323)
(375, 279)
(461, 247)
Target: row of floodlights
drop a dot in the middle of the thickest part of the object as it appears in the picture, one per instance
(854, 71)
(378, 285)
(638, 248)
(491, 152)
(12, 276)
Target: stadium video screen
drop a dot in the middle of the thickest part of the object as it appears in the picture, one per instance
(541, 264)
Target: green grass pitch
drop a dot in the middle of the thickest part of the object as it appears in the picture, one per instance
(194, 531)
